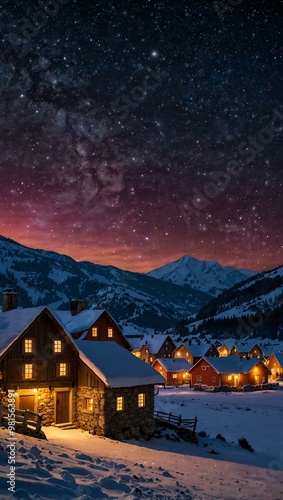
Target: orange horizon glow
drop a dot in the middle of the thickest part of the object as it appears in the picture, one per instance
(132, 259)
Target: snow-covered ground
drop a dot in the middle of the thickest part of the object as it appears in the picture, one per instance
(74, 464)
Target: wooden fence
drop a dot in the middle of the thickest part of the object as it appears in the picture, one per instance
(177, 421)
(21, 420)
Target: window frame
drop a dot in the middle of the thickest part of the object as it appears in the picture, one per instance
(120, 403)
(94, 332)
(141, 399)
(110, 332)
(89, 404)
(28, 350)
(27, 371)
(59, 364)
(55, 351)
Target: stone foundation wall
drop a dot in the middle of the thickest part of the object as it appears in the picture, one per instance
(3, 397)
(46, 405)
(93, 421)
(132, 422)
(105, 420)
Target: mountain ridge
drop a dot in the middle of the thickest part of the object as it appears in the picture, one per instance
(46, 277)
(206, 276)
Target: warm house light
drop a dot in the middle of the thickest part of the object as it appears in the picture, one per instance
(28, 371)
(34, 390)
(62, 369)
(141, 400)
(119, 403)
(94, 331)
(110, 332)
(89, 404)
(57, 346)
(28, 345)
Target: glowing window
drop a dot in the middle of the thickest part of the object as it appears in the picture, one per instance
(62, 369)
(28, 371)
(57, 345)
(89, 404)
(229, 377)
(141, 400)
(94, 331)
(174, 375)
(28, 345)
(119, 403)
(110, 332)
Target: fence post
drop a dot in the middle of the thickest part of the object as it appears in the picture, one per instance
(195, 424)
(38, 423)
(25, 421)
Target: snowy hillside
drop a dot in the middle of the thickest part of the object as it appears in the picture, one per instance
(254, 308)
(75, 464)
(42, 277)
(209, 277)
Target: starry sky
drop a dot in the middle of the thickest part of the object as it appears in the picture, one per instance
(134, 132)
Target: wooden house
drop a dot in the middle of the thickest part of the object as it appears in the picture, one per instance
(97, 386)
(194, 352)
(230, 370)
(91, 324)
(275, 364)
(248, 349)
(174, 370)
(150, 347)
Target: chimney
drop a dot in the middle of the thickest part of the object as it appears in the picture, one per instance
(9, 299)
(77, 306)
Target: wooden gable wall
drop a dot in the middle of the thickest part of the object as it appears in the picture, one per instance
(102, 324)
(45, 361)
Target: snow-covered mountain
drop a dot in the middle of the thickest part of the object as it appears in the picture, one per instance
(253, 308)
(43, 277)
(209, 277)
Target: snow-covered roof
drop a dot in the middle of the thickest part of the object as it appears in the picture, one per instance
(279, 357)
(13, 323)
(230, 364)
(153, 342)
(174, 364)
(229, 343)
(79, 322)
(116, 366)
(196, 350)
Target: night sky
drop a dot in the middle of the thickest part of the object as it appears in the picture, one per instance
(133, 133)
